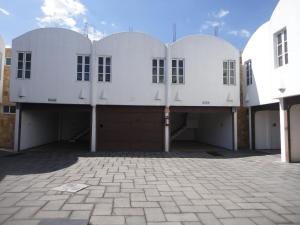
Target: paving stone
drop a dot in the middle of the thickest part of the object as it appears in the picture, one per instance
(54, 205)
(83, 215)
(121, 202)
(128, 211)
(208, 219)
(154, 215)
(135, 220)
(262, 221)
(52, 214)
(219, 211)
(78, 207)
(107, 220)
(181, 217)
(246, 213)
(103, 209)
(237, 221)
(145, 204)
(26, 212)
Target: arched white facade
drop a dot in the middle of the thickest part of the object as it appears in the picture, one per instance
(203, 58)
(2, 58)
(53, 67)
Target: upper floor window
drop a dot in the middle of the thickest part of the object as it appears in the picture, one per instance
(281, 48)
(9, 109)
(8, 61)
(177, 71)
(158, 70)
(249, 73)
(104, 69)
(229, 72)
(24, 65)
(83, 68)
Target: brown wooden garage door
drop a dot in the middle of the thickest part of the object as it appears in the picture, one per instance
(126, 128)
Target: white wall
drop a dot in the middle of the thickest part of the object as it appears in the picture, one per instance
(2, 58)
(258, 50)
(268, 78)
(204, 56)
(132, 55)
(54, 66)
(295, 131)
(216, 129)
(267, 130)
(38, 128)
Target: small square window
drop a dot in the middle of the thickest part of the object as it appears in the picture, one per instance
(8, 61)
(5, 109)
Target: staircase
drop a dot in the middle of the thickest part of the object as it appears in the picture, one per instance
(79, 135)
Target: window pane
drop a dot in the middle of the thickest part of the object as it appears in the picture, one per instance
(107, 78)
(181, 79)
(161, 71)
(285, 47)
(6, 109)
(100, 69)
(154, 62)
(79, 76)
(20, 57)
(225, 65)
(279, 39)
(86, 68)
(86, 76)
(154, 71)
(174, 79)
(79, 59)
(161, 79)
(174, 71)
(12, 109)
(27, 74)
(231, 80)
(107, 61)
(285, 35)
(79, 68)
(173, 63)
(180, 62)
(161, 63)
(154, 79)
(28, 57)
(107, 69)
(8, 61)
(28, 65)
(279, 50)
(100, 60)
(20, 65)
(286, 58)
(180, 71)
(232, 65)
(87, 60)
(224, 80)
(20, 73)
(100, 77)
(280, 61)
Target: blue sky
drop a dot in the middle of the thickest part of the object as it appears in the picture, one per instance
(236, 19)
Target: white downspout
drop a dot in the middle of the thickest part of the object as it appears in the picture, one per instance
(167, 100)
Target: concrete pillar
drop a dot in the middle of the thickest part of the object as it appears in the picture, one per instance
(17, 134)
(93, 131)
(167, 129)
(250, 128)
(284, 131)
(235, 130)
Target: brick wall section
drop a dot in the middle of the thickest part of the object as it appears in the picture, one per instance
(7, 121)
(242, 114)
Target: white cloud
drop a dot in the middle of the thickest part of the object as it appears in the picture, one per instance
(222, 13)
(103, 22)
(5, 12)
(67, 13)
(211, 24)
(241, 33)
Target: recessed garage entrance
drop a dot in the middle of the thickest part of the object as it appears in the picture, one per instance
(125, 128)
(42, 124)
(194, 127)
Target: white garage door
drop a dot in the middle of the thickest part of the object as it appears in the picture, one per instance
(295, 133)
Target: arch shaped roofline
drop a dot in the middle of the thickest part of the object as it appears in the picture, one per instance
(54, 29)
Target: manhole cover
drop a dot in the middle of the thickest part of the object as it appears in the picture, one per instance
(71, 187)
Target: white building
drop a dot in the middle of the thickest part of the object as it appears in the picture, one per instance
(126, 91)
(271, 83)
(2, 58)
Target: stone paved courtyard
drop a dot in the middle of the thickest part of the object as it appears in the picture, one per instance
(150, 188)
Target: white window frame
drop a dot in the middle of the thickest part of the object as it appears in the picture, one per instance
(104, 74)
(249, 72)
(9, 109)
(177, 71)
(24, 61)
(158, 67)
(83, 64)
(283, 46)
(229, 72)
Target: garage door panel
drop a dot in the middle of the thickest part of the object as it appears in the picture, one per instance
(130, 128)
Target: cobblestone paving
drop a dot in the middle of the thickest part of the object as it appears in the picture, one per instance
(150, 188)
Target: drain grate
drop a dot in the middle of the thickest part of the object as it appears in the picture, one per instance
(214, 153)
